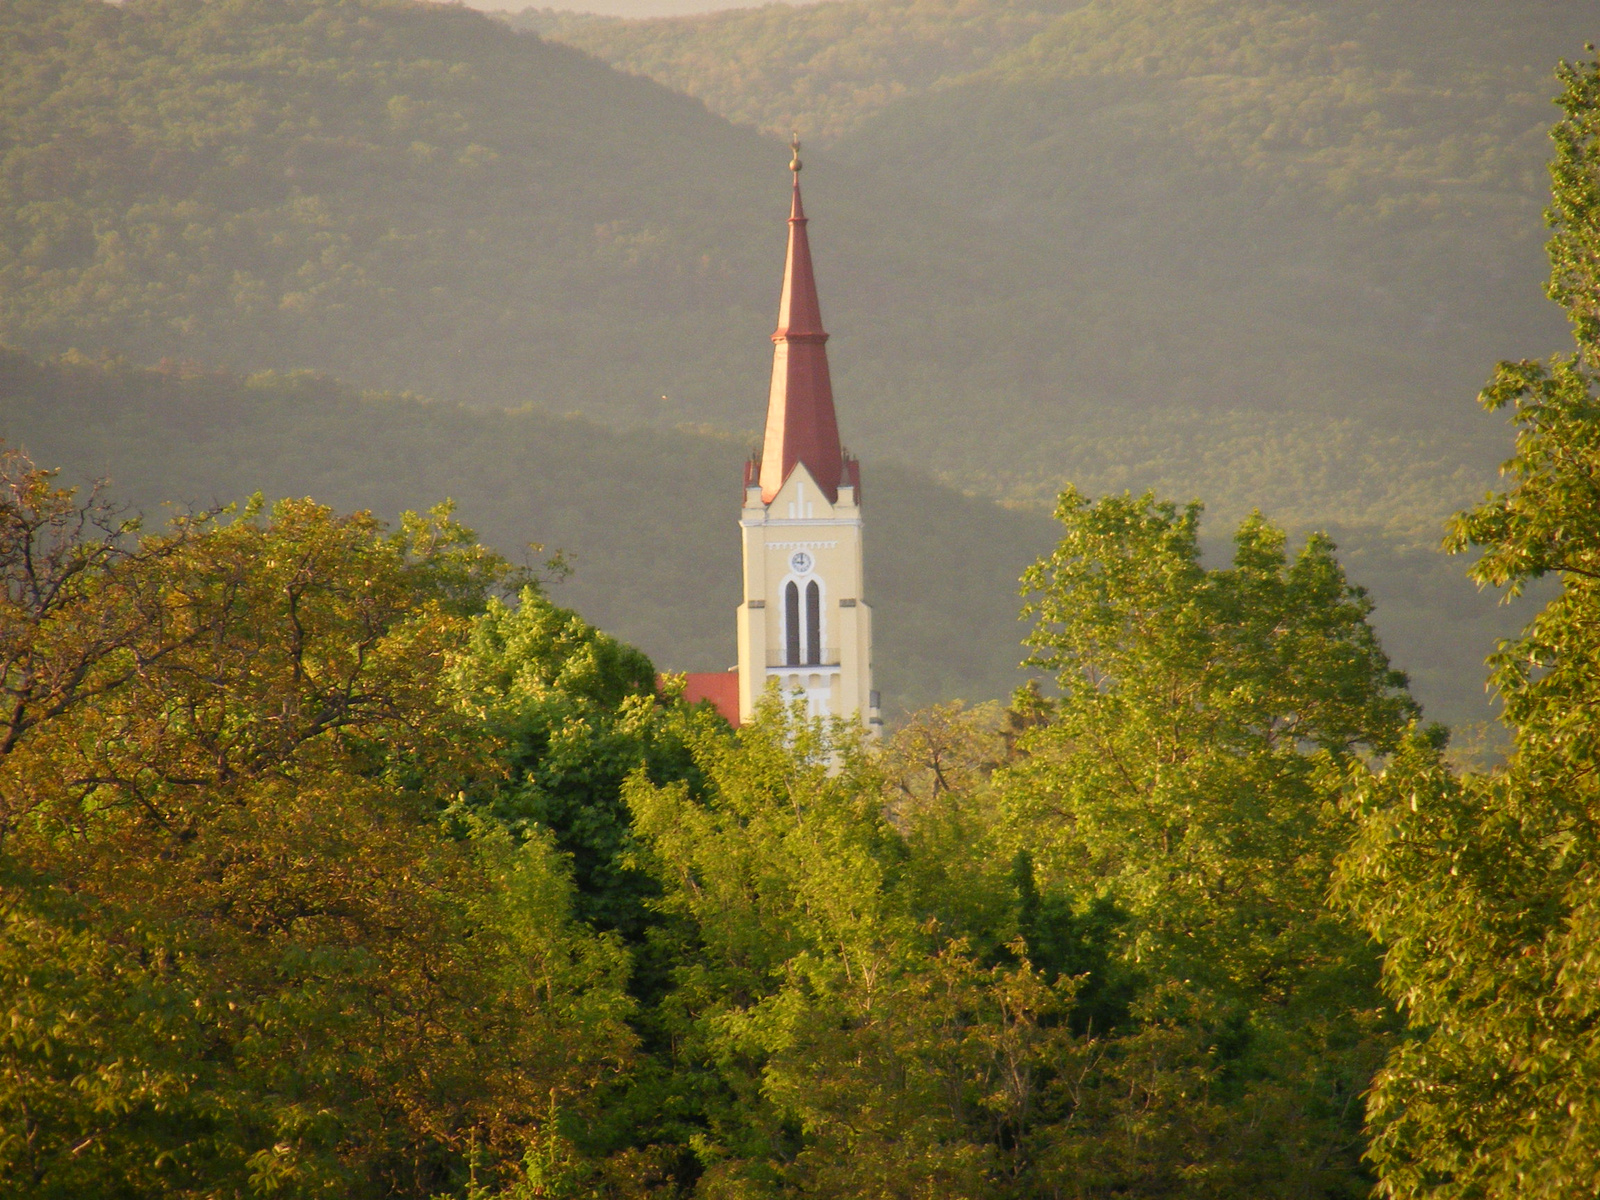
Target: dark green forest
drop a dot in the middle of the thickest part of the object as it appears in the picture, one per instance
(407, 198)
(351, 846)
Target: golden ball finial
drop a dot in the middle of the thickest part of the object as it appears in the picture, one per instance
(794, 144)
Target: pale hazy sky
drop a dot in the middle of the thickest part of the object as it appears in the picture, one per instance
(618, 8)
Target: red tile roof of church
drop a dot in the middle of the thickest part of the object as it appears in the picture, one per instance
(719, 687)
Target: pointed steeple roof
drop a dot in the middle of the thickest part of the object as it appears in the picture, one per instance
(801, 426)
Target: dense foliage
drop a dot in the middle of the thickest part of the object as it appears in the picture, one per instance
(242, 951)
(337, 860)
(1180, 782)
(1483, 886)
(330, 871)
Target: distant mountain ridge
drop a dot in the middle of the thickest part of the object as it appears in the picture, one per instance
(413, 198)
(649, 519)
(1056, 260)
(820, 69)
(942, 568)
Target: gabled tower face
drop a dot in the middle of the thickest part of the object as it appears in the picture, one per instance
(805, 622)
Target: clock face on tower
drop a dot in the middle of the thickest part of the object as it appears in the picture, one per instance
(801, 562)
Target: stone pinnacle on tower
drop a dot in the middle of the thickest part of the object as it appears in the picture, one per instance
(801, 425)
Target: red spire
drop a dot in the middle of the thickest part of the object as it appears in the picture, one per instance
(801, 426)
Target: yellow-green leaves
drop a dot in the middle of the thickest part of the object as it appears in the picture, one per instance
(241, 952)
(1483, 887)
(858, 1047)
(1574, 211)
(1175, 806)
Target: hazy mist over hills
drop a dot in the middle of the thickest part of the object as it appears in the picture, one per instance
(1259, 253)
(622, 8)
(663, 574)
(942, 567)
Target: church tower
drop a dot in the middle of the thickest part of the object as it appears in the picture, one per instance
(805, 621)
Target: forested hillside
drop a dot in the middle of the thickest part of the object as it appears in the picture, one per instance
(412, 198)
(1246, 209)
(646, 520)
(402, 192)
(645, 517)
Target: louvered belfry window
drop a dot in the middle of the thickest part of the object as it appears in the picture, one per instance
(791, 623)
(813, 623)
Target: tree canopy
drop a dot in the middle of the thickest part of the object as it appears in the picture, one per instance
(243, 951)
(1482, 885)
(337, 859)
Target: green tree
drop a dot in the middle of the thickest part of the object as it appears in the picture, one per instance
(848, 1042)
(575, 713)
(1483, 887)
(241, 952)
(1176, 836)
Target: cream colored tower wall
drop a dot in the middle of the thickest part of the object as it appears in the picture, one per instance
(801, 538)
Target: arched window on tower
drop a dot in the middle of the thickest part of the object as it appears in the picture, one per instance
(791, 624)
(813, 623)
